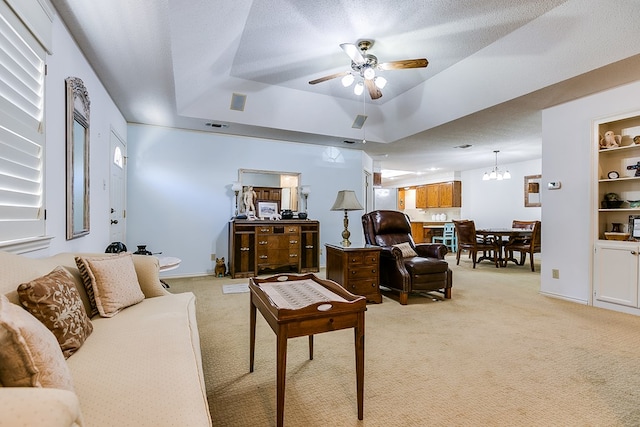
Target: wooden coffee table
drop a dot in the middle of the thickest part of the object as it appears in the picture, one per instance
(300, 305)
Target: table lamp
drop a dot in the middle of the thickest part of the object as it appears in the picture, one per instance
(306, 190)
(236, 186)
(346, 201)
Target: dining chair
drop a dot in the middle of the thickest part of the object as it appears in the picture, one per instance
(469, 240)
(448, 238)
(530, 245)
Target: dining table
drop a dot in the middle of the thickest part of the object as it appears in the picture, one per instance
(502, 236)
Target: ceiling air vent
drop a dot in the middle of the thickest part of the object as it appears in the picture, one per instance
(237, 101)
(359, 121)
(217, 125)
(463, 146)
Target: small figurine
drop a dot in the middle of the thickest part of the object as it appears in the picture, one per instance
(248, 197)
(610, 140)
(221, 267)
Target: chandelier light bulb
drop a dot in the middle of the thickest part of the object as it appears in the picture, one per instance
(485, 177)
(369, 73)
(347, 80)
(380, 82)
(358, 88)
(506, 175)
(493, 174)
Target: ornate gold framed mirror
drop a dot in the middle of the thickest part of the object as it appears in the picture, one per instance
(77, 144)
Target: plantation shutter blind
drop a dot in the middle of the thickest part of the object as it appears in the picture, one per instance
(22, 139)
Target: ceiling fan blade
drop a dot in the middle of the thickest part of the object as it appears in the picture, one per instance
(325, 78)
(407, 63)
(374, 92)
(353, 52)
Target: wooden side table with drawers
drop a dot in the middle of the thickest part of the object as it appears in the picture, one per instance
(356, 268)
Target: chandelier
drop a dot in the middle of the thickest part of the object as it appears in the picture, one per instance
(495, 172)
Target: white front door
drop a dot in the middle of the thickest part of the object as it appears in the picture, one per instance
(117, 188)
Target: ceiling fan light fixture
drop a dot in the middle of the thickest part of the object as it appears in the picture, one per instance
(347, 80)
(369, 73)
(358, 88)
(380, 82)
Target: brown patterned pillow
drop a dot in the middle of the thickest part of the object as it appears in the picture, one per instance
(54, 300)
(406, 249)
(113, 282)
(29, 353)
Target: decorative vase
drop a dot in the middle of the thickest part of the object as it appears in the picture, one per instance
(142, 250)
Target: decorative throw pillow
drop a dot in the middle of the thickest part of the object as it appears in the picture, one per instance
(406, 249)
(113, 282)
(54, 300)
(29, 353)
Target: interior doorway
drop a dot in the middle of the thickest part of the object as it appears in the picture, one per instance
(117, 188)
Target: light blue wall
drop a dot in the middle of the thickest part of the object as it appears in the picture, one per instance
(498, 203)
(179, 188)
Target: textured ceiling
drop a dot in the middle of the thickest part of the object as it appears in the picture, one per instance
(493, 65)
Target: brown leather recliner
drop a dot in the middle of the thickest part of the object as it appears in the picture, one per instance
(428, 271)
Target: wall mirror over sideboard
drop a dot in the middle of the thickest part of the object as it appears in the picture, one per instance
(532, 185)
(273, 186)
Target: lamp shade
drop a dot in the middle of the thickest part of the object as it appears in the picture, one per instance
(236, 186)
(346, 201)
(306, 190)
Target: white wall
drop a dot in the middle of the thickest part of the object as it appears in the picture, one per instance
(67, 60)
(179, 189)
(498, 203)
(567, 156)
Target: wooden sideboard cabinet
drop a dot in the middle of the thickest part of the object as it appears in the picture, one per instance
(257, 247)
(356, 268)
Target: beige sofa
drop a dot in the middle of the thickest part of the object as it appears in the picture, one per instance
(141, 367)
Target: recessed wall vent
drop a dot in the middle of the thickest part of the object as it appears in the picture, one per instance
(217, 125)
(463, 146)
(237, 101)
(359, 121)
(348, 141)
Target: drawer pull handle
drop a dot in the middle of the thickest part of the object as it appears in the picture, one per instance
(264, 256)
(309, 247)
(293, 255)
(373, 271)
(293, 241)
(353, 260)
(244, 249)
(263, 242)
(634, 253)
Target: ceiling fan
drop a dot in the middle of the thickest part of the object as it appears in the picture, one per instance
(365, 65)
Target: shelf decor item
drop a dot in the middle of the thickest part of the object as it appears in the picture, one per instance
(610, 235)
(612, 201)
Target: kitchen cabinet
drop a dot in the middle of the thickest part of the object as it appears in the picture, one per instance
(401, 198)
(444, 195)
(421, 197)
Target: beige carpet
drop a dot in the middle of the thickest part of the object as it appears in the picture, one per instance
(497, 354)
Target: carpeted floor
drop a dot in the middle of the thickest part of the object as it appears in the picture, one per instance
(497, 354)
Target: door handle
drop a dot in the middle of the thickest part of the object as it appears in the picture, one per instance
(114, 221)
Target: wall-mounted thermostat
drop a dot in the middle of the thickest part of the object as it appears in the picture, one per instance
(554, 185)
